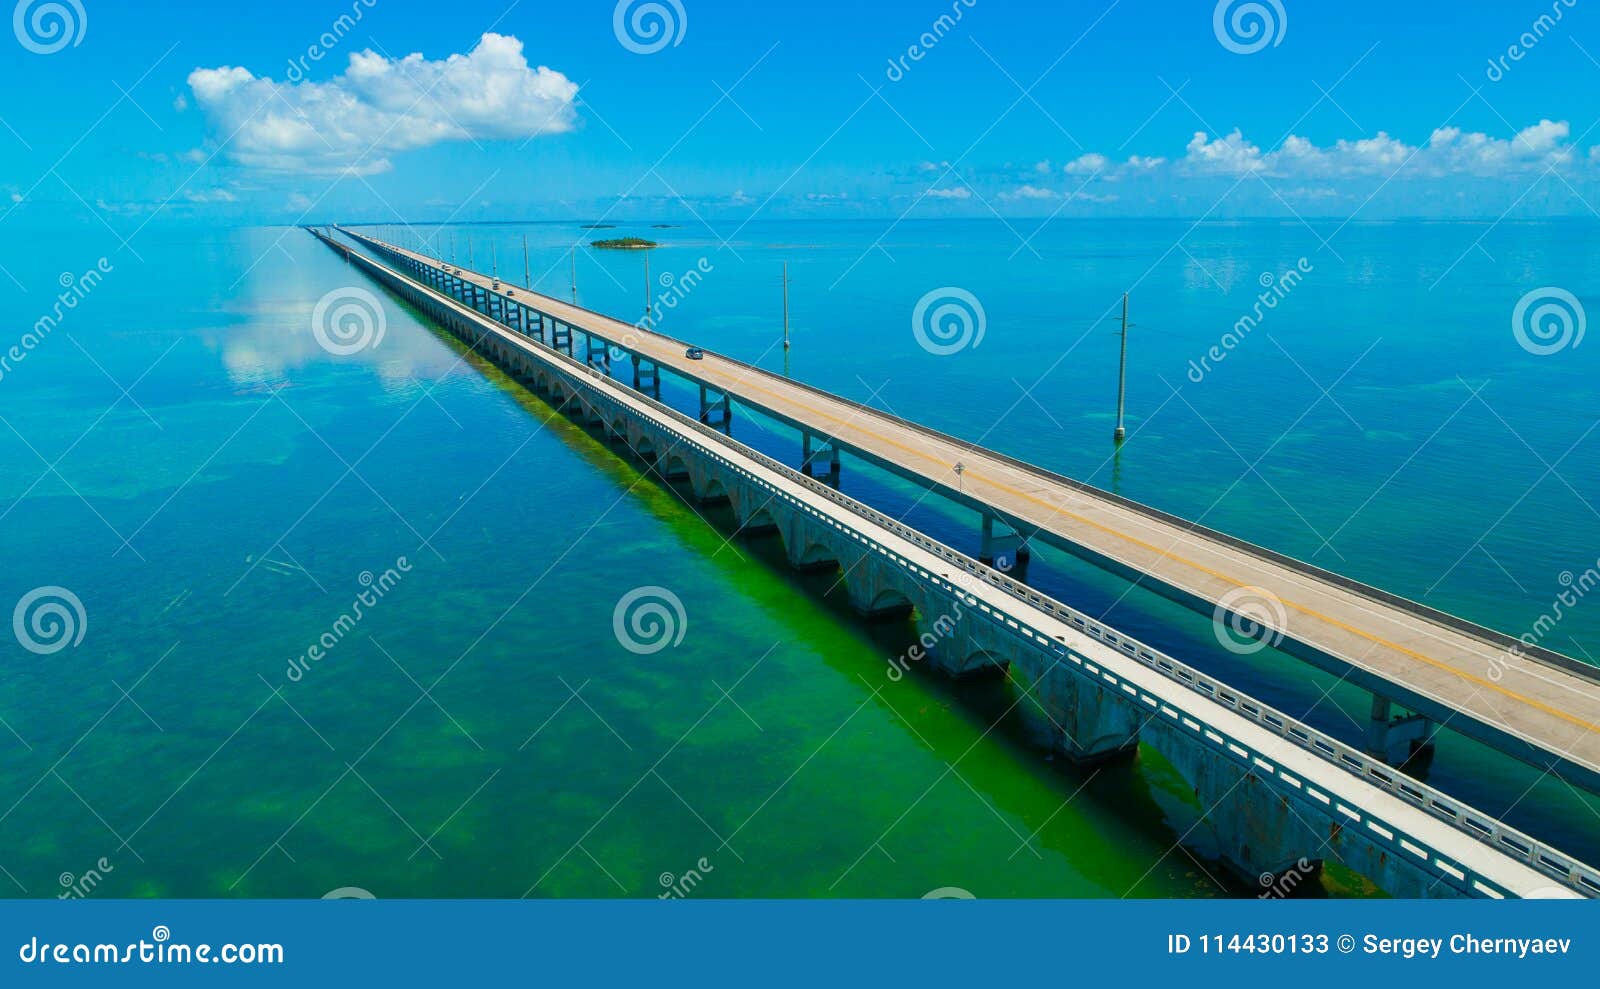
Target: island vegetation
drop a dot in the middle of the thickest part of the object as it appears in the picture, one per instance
(625, 244)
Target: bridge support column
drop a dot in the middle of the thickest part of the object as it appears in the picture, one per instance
(819, 459)
(716, 412)
(1398, 739)
(538, 327)
(1004, 548)
(876, 589)
(1079, 717)
(561, 337)
(1261, 839)
(646, 377)
(597, 355)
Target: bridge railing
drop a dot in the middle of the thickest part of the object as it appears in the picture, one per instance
(1489, 636)
(1545, 859)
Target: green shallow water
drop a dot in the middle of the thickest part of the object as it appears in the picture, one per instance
(481, 731)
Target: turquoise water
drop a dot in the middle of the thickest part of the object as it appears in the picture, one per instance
(212, 484)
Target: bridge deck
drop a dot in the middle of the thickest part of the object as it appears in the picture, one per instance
(1531, 707)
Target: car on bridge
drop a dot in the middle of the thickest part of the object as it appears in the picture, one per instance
(695, 354)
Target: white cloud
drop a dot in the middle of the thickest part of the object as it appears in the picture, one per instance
(1088, 164)
(1449, 151)
(1231, 155)
(1031, 192)
(959, 192)
(379, 106)
(210, 196)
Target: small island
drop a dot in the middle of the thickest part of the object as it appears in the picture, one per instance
(625, 244)
(599, 226)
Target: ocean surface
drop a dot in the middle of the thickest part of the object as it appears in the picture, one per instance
(208, 492)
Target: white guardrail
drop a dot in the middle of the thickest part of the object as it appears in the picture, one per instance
(1562, 868)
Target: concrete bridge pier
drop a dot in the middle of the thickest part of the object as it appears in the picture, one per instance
(1078, 716)
(953, 641)
(1260, 838)
(1398, 739)
(819, 459)
(641, 441)
(646, 377)
(561, 337)
(715, 410)
(877, 590)
(751, 510)
(1004, 548)
(806, 551)
(518, 319)
(597, 355)
(537, 329)
(706, 480)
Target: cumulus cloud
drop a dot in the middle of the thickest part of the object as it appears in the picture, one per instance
(1089, 164)
(379, 106)
(958, 192)
(1448, 151)
(1030, 192)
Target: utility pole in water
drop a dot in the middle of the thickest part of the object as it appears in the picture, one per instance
(1122, 375)
(574, 253)
(527, 269)
(786, 307)
(469, 250)
(648, 307)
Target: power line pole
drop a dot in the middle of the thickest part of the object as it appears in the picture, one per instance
(469, 250)
(1122, 375)
(786, 306)
(574, 254)
(527, 269)
(648, 301)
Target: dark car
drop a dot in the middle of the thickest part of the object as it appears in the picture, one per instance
(695, 354)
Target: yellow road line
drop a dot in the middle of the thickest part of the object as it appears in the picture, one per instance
(1483, 682)
(1057, 510)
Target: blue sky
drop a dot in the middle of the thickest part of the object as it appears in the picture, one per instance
(1022, 108)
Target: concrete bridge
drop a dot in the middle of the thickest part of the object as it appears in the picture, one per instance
(1276, 793)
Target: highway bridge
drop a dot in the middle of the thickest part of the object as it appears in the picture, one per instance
(1276, 793)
